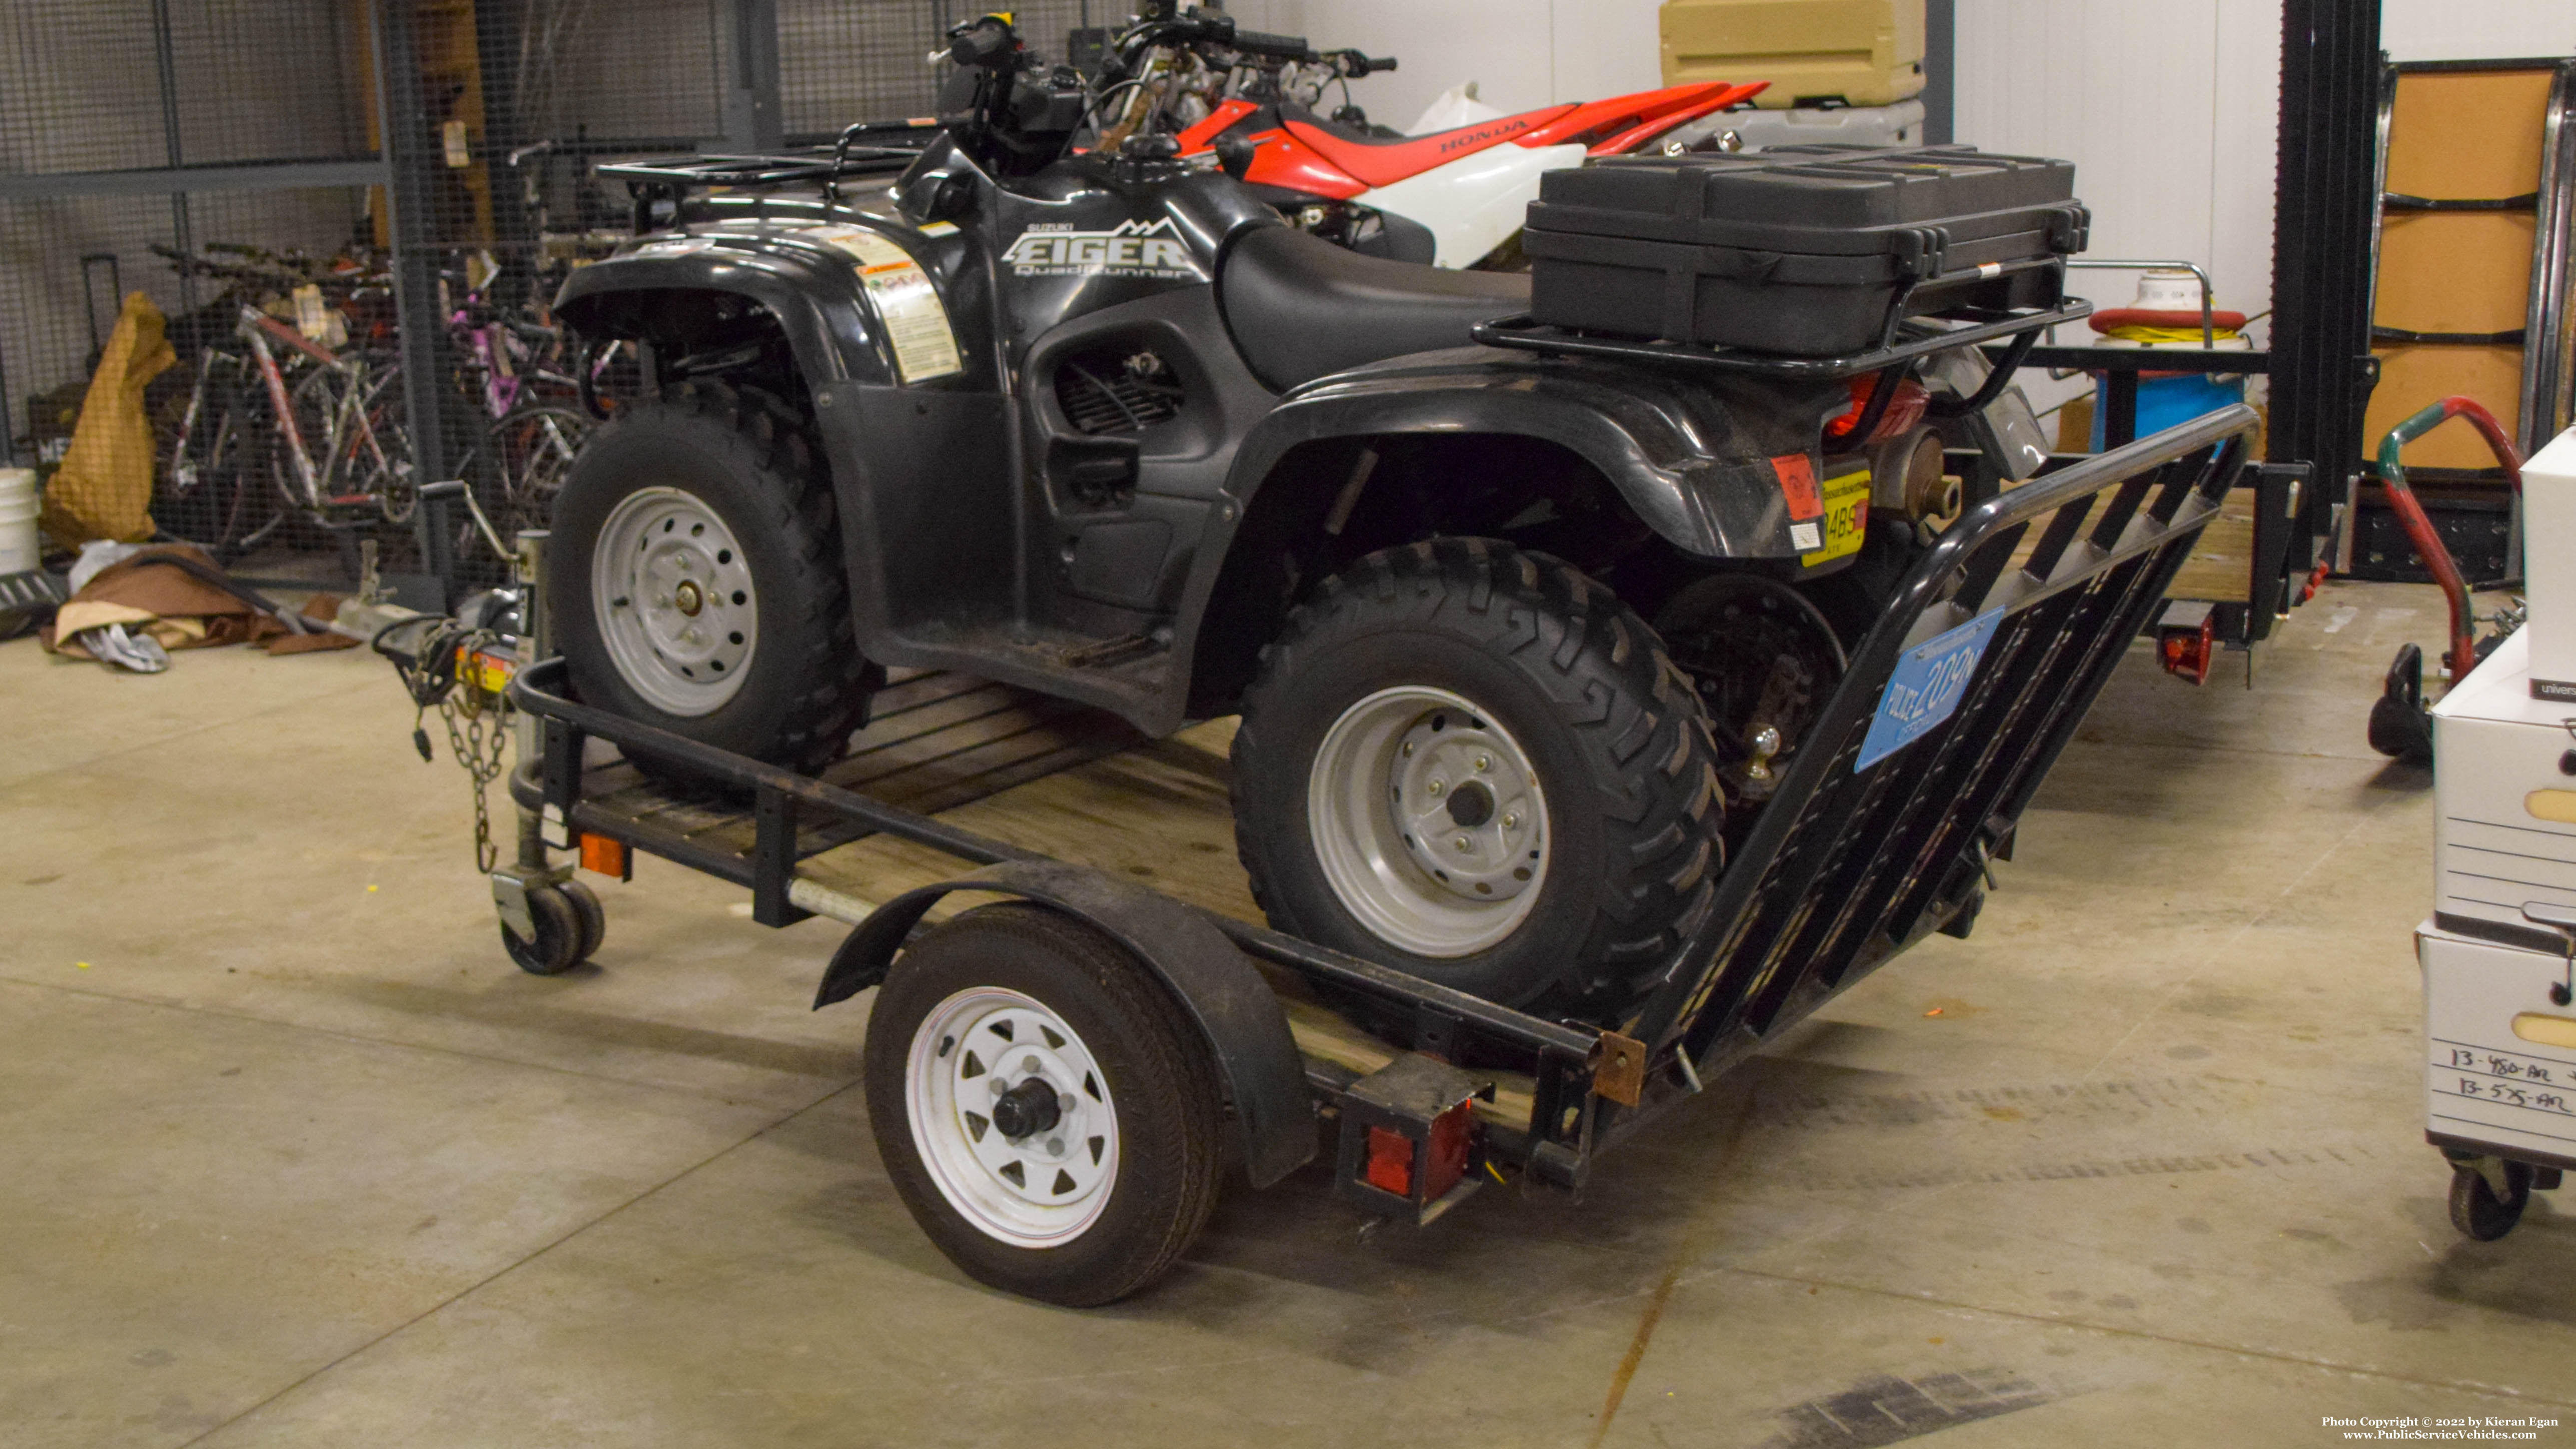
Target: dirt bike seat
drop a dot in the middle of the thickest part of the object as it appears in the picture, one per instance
(1300, 307)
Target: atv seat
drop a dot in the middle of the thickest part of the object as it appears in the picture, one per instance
(1300, 307)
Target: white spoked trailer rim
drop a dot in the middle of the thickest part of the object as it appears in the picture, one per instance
(673, 596)
(1428, 821)
(979, 1065)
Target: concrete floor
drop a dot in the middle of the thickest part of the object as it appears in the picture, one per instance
(294, 1157)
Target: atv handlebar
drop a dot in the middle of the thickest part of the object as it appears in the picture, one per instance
(1354, 65)
(980, 44)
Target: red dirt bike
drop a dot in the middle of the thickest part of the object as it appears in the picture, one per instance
(1451, 198)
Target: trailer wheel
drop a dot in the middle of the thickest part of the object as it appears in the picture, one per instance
(562, 938)
(2477, 1211)
(696, 582)
(1047, 1112)
(1475, 765)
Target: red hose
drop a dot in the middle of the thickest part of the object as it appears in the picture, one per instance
(2419, 529)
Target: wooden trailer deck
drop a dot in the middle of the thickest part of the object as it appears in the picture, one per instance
(1074, 783)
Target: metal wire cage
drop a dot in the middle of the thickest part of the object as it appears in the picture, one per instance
(427, 168)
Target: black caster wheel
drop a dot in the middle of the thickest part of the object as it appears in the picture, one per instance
(2476, 1210)
(594, 918)
(562, 934)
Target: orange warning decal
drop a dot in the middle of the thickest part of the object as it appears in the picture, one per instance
(1798, 485)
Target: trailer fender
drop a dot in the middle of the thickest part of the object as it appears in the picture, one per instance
(1273, 1121)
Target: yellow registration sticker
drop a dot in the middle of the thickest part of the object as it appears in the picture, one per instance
(1846, 518)
(487, 672)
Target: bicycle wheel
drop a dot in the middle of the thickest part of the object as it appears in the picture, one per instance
(532, 451)
(210, 491)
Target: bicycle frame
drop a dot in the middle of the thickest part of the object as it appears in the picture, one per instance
(317, 482)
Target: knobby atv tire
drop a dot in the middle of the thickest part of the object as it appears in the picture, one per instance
(1615, 732)
(748, 457)
(1162, 1078)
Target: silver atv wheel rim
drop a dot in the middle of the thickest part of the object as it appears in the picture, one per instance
(1012, 1117)
(673, 596)
(1428, 821)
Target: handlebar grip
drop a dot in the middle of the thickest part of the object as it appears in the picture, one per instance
(1372, 64)
(1286, 47)
(981, 45)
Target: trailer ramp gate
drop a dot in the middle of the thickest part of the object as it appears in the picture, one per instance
(1954, 708)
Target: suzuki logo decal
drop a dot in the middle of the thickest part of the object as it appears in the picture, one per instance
(1130, 249)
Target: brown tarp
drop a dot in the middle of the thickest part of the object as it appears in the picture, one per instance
(183, 612)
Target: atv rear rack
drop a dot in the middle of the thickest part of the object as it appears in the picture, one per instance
(2022, 324)
(1881, 831)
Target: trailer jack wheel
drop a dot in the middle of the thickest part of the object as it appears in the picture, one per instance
(568, 928)
(2488, 1196)
(1048, 1113)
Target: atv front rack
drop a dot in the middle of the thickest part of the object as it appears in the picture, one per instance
(661, 186)
(1882, 829)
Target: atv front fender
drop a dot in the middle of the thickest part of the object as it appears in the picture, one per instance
(809, 287)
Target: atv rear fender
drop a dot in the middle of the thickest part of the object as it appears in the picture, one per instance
(1693, 460)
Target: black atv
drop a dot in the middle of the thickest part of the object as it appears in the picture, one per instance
(1519, 634)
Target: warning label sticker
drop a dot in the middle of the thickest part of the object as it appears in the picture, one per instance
(1798, 485)
(907, 301)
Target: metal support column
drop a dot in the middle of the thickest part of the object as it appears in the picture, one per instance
(182, 231)
(1940, 70)
(2322, 369)
(747, 33)
(411, 150)
(496, 50)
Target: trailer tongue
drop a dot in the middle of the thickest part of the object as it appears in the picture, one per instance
(1883, 831)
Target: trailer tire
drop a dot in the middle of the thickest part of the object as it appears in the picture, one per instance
(751, 649)
(1545, 689)
(1113, 1177)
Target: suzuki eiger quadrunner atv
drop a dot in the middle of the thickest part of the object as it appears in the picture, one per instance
(1518, 639)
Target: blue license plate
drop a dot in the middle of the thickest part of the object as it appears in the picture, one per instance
(1929, 681)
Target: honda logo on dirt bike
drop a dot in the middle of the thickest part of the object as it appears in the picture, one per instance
(1482, 134)
(1130, 249)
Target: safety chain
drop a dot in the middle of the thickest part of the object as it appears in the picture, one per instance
(478, 722)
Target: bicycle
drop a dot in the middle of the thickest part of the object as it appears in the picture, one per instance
(335, 450)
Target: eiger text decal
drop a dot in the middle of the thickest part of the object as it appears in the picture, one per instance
(1130, 249)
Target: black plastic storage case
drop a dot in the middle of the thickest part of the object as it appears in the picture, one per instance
(1806, 250)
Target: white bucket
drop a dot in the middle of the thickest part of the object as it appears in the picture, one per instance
(18, 545)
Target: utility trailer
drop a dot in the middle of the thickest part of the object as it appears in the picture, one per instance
(1157, 1043)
